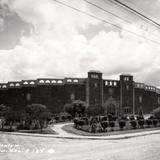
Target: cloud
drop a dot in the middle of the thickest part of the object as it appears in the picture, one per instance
(58, 46)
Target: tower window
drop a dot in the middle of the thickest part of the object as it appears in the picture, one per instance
(127, 87)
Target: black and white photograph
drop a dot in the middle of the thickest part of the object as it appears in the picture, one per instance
(79, 79)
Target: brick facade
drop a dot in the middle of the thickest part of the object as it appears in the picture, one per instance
(122, 96)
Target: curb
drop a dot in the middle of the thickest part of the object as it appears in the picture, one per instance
(115, 137)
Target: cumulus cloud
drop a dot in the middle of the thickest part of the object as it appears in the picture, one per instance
(59, 47)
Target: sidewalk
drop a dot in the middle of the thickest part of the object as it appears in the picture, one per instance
(63, 134)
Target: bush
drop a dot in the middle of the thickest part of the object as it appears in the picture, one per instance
(156, 113)
(75, 122)
(141, 123)
(69, 117)
(133, 124)
(112, 124)
(93, 127)
(122, 124)
(110, 117)
(149, 122)
(104, 125)
(155, 122)
(139, 117)
(63, 118)
(56, 118)
(104, 118)
(132, 117)
(86, 121)
(80, 123)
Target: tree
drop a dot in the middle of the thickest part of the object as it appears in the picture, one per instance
(95, 110)
(77, 107)
(122, 124)
(112, 124)
(133, 123)
(38, 113)
(156, 113)
(104, 125)
(3, 112)
(141, 123)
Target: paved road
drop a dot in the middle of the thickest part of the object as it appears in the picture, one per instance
(17, 147)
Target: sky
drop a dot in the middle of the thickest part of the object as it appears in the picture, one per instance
(43, 38)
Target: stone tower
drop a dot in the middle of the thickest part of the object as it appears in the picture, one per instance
(126, 94)
(94, 88)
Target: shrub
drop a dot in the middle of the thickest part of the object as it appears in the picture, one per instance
(133, 124)
(104, 118)
(155, 122)
(139, 117)
(80, 123)
(112, 124)
(114, 117)
(110, 117)
(104, 125)
(75, 122)
(69, 117)
(156, 113)
(93, 127)
(56, 118)
(141, 123)
(63, 118)
(86, 121)
(132, 117)
(149, 122)
(122, 124)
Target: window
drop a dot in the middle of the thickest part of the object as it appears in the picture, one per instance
(69, 80)
(25, 82)
(11, 85)
(115, 83)
(32, 82)
(94, 76)
(47, 81)
(72, 96)
(106, 82)
(127, 87)
(140, 99)
(4, 86)
(53, 81)
(41, 81)
(59, 81)
(75, 80)
(17, 85)
(126, 110)
(110, 83)
(158, 100)
(95, 84)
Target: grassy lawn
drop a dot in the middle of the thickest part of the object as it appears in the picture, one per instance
(47, 130)
(70, 128)
(44, 131)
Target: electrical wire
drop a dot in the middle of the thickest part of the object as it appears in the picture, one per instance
(105, 21)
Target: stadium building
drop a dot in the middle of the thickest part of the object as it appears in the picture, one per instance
(117, 96)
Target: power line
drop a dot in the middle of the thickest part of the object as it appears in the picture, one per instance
(141, 9)
(105, 21)
(137, 13)
(95, 5)
(106, 11)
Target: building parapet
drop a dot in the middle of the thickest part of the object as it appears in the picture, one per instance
(14, 84)
(48, 81)
(29, 83)
(74, 81)
(112, 83)
(3, 86)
